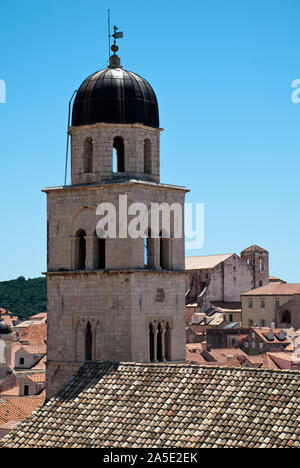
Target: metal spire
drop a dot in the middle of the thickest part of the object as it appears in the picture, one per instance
(114, 60)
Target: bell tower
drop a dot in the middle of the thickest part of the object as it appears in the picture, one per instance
(258, 260)
(116, 279)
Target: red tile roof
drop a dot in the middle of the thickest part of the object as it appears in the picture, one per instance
(264, 332)
(14, 391)
(41, 316)
(41, 364)
(168, 405)
(35, 334)
(18, 408)
(275, 289)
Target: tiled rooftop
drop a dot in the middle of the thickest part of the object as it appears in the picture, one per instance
(167, 405)
(205, 261)
(35, 334)
(275, 289)
(14, 408)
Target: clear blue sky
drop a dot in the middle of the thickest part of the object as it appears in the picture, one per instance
(222, 72)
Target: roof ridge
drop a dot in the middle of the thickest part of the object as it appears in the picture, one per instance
(187, 365)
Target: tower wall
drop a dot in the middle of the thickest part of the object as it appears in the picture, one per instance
(102, 136)
(120, 305)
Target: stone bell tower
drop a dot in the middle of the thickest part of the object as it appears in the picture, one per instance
(113, 297)
(258, 260)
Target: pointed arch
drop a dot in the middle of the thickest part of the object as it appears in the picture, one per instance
(81, 249)
(159, 343)
(151, 342)
(88, 342)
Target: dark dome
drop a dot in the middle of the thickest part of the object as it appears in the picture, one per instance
(115, 95)
(4, 328)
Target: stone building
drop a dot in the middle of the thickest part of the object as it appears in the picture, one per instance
(263, 340)
(110, 296)
(217, 281)
(275, 303)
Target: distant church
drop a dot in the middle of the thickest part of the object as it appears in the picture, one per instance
(216, 282)
(113, 299)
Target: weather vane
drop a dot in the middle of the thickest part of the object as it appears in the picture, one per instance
(117, 35)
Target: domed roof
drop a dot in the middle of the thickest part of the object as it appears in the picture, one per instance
(117, 96)
(4, 328)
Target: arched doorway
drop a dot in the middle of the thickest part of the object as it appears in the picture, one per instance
(286, 317)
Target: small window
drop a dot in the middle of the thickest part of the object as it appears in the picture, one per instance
(262, 304)
(26, 390)
(21, 360)
(230, 318)
(260, 283)
(277, 303)
(81, 250)
(250, 321)
(250, 304)
(261, 264)
(262, 323)
(118, 155)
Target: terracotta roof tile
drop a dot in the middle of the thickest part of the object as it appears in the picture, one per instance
(18, 408)
(204, 262)
(275, 289)
(167, 405)
(35, 334)
(14, 391)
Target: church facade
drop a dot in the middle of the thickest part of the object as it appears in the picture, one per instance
(113, 298)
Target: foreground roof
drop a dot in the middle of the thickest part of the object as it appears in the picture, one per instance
(167, 405)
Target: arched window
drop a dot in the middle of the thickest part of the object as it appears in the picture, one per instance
(88, 342)
(148, 250)
(81, 245)
(118, 155)
(147, 157)
(286, 317)
(88, 156)
(163, 254)
(159, 343)
(151, 343)
(261, 264)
